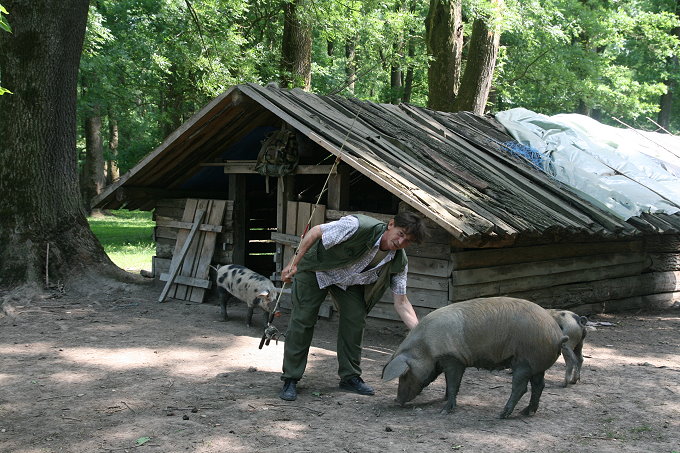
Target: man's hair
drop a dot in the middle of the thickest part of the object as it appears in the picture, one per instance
(412, 224)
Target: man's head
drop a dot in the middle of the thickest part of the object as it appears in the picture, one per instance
(403, 230)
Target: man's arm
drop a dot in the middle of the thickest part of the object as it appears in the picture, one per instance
(312, 236)
(405, 310)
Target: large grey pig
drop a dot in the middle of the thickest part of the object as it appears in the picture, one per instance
(574, 327)
(247, 285)
(490, 333)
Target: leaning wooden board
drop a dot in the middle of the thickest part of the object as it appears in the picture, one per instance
(194, 264)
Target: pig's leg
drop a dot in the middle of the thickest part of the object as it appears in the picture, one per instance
(266, 317)
(453, 371)
(578, 352)
(520, 380)
(537, 385)
(571, 361)
(224, 297)
(249, 315)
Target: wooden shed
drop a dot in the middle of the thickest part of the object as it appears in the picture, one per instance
(499, 226)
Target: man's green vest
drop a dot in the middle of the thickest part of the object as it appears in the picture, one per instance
(318, 258)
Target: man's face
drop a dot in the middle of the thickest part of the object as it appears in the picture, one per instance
(395, 238)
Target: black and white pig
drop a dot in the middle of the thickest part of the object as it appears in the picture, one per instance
(248, 286)
(574, 327)
(490, 333)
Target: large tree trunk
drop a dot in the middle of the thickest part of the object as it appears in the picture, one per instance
(444, 38)
(479, 67)
(40, 202)
(296, 48)
(93, 180)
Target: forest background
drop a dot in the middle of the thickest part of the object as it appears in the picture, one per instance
(90, 87)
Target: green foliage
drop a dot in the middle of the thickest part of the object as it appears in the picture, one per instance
(3, 21)
(127, 237)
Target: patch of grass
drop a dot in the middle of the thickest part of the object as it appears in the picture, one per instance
(127, 237)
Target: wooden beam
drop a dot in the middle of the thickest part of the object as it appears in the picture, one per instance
(188, 281)
(237, 192)
(248, 167)
(338, 188)
(164, 222)
(287, 239)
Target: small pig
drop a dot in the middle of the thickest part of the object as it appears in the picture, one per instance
(490, 333)
(248, 286)
(574, 327)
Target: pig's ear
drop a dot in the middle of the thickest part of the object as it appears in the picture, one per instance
(395, 368)
(263, 294)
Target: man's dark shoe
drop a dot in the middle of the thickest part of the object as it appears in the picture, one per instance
(289, 390)
(357, 385)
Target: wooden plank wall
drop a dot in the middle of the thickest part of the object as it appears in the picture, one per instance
(165, 235)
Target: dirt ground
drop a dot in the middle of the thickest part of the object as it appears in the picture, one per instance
(113, 370)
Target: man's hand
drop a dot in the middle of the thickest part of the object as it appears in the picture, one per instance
(405, 310)
(288, 273)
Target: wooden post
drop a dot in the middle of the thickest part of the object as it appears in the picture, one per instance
(284, 193)
(338, 188)
(237, 192)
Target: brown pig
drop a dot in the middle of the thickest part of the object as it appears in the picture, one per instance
(491, 333)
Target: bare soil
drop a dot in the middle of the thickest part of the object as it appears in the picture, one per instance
(110, 369)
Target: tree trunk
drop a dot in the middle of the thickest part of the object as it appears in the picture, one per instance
(112, 171)
(395, 85)
(479, 68)
(444, 39)
(351, 65)
(296, 48)
(411, 46)
(666, 102)
(40, 201)
(93, 180)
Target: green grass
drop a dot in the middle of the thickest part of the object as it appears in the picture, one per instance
(127, 237)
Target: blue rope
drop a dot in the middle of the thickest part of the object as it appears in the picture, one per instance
(532, 155)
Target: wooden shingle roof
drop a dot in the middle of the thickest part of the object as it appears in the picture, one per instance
(452, 167)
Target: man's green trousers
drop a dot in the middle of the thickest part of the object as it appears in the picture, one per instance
(307, 298)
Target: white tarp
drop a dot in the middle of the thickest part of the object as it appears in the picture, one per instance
(625, 171)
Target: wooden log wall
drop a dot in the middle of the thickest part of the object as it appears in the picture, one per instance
(582, 277)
